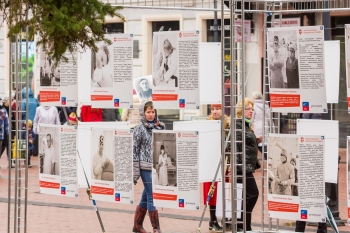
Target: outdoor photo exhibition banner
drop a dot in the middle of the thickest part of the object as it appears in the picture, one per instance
(111, 73)
(348, 175)
(58, 85)
(296, 186)
(175, 70)
(175, 169)
(296, 69)
(112, 165)
(347, 54)
(58, 160)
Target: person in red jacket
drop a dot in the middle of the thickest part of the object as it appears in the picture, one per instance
(89, 114)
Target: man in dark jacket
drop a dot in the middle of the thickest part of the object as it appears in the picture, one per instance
(111, 114)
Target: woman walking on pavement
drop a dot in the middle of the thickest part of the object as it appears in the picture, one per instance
(142, 156)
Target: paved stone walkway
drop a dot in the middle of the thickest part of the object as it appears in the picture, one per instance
(53, 214)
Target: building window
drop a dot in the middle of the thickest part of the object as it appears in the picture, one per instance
(165, 26)
(210, 30)
(110, 28)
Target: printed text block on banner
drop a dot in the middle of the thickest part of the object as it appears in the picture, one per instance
(175, 70)
(296, 69)
(58, 160)
(111, 168)
(111, 73)
(58, 85)
(296, 184)
(175, 169)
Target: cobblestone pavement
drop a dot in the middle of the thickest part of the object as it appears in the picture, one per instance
(51, 214)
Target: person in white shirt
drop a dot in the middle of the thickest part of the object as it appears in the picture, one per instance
(45, 115)
(100, 161)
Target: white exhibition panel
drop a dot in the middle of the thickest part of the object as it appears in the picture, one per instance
(228, 203)
(332, 69)
(330, 130)
(84, 146)
(84, 77)
(210, 73)
(209, 146)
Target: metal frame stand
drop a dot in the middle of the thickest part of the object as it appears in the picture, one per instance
(17, 148)
(233, 47)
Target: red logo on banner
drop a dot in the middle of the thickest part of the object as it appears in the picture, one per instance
(180, 34)
(179, 135)
(115, 39)
(302, 139)
(300, 31)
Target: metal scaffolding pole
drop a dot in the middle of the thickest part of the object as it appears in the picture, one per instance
(18, 136)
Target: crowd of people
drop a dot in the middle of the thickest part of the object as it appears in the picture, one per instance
(282, 179)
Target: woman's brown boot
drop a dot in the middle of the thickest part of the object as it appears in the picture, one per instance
(139, 216)
(153, 215)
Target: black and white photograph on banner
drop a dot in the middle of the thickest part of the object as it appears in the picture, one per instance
(283, 59)
(49, 74)
(49, 151)
(165, 70)
(103, 155)
(101, 68)
(283, 166)
(143, 87)
(164, 170)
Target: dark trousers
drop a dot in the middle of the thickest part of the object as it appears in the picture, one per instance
(252, 195)
(36, 146)
(265, 154)
(300, 227)
(30, 153)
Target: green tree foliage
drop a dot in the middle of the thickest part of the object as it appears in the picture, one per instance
(61, 25)
(30, 66)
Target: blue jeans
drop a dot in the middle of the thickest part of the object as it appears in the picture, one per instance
(147, 194)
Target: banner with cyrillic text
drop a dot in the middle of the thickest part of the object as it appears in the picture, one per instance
(58, 160)
(175, 169)
(296, 185)
(175, 70)
(296, 69)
